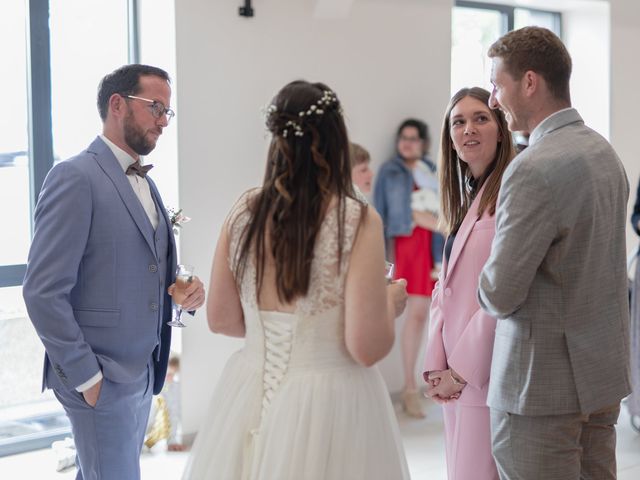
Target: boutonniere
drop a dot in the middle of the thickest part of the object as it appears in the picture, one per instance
(177, 218)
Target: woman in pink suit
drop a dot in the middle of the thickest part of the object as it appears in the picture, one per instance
(476, 148)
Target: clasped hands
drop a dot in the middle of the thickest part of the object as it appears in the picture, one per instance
(441, 386)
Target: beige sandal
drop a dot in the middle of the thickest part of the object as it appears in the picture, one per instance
(412, 404)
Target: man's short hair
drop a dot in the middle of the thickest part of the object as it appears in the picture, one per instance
(124, 81)
(539, 50)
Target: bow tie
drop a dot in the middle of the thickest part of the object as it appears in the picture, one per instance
(138, 169)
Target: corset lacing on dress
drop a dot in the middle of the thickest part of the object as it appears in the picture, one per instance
(278, 336)
(278, 339)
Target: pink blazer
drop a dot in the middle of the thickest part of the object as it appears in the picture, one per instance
(461, 334)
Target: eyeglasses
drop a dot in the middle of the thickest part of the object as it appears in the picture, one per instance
(157, 108)
(402, 138)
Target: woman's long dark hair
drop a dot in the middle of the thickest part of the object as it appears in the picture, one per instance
(455, 194)
(308, 164)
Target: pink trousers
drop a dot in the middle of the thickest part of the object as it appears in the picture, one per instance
(468, 443)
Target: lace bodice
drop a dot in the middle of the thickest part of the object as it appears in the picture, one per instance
(326, 287)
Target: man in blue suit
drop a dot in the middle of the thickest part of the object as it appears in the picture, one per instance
(102, 259)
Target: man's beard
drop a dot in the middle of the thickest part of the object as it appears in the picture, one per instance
(134, 137)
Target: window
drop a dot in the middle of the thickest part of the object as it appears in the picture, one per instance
(524, 17)
(14, 145)
(475, 26)
(21, 164)
(92, 34)
(474, 30)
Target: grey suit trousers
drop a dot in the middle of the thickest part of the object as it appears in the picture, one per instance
(574, 446)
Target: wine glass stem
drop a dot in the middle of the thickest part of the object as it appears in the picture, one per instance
(178, 313)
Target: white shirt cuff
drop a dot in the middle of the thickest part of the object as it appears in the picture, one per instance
(90, 383)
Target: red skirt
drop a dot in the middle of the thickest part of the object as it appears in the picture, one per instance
(414, 262)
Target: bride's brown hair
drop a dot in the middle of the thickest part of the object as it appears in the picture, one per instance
(308, 164)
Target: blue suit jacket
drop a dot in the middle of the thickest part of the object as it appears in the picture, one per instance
(95, 289)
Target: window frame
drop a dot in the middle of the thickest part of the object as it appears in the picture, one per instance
(508, 13)
(40, 135)
(41, 159)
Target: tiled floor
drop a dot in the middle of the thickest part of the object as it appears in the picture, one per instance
(423, 442)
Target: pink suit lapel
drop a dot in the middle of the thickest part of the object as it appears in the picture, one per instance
(464, 231)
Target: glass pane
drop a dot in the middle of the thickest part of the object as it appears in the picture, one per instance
(14, 165)
(88, 40)
(21, 352)
(524, 17)
(28, 418)
(473, 32)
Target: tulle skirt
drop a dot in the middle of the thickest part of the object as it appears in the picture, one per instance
(327, 423)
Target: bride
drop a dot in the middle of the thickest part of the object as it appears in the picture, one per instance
(299, 272)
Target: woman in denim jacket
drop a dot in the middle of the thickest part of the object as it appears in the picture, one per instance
(409, 235)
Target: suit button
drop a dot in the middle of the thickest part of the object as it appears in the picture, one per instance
(153, 268)
(447, 292)
(154, 306)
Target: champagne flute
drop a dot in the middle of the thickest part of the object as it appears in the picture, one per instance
(388, 271)
(184, 276)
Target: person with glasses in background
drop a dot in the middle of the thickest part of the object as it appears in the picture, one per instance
(100, 269)
(412, 241)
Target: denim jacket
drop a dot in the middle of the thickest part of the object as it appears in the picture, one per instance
(392, 196)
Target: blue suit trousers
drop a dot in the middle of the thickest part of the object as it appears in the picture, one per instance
(109, 436)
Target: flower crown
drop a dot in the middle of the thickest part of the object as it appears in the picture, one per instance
(327, 100)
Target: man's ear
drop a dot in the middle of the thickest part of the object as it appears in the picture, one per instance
(530, 82)
(117, 105)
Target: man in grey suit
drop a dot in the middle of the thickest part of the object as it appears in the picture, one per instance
(102, 260)
(556, 277)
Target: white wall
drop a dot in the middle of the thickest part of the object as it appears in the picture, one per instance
(625, 96)
(386, 60)
(586, 32)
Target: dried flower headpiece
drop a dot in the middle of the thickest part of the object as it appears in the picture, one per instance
(327, 100)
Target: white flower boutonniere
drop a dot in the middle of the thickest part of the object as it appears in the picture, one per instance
(177, 218)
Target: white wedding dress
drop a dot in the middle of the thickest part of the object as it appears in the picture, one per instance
(293, 404)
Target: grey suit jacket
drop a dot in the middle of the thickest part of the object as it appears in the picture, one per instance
(96, 283)
(556, 277)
